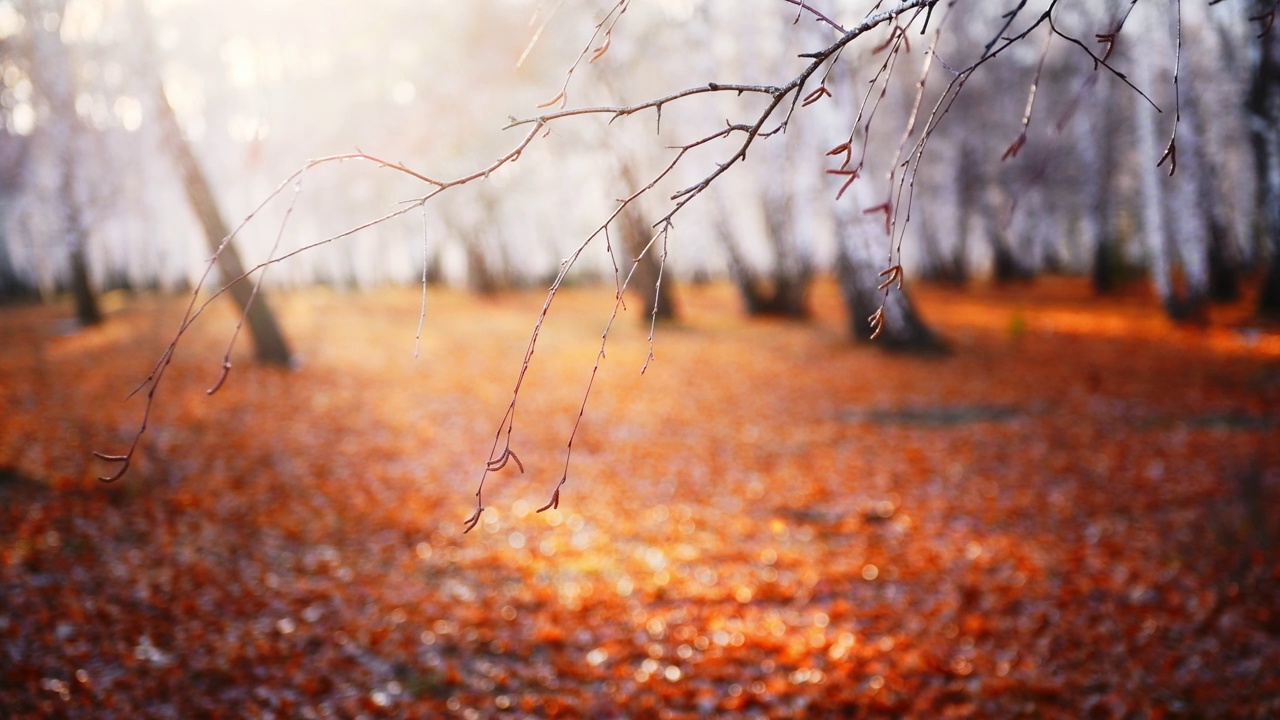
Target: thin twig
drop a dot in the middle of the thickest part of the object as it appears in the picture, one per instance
(751, 132)
(603, 28)
(1016, 146)
(818, 15)
(665, 232)
(257, 286)
(422, 312)
(1171, 150)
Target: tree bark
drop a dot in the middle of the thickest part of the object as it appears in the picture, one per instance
(792, 272)
(969, 181)
(54, 77)
(646, 260)
(1222, 258)
(784, 292)
(1098, 147)
(1263, 106)
(488, 273)
(647, 277)
(1006, 266)
(88, 312)
(1154, 230)
(481, 278)
(858, 275)
(268, 339)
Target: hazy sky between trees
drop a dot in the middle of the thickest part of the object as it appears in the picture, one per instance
(260, 87)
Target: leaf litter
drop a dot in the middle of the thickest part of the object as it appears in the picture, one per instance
(1072, 515)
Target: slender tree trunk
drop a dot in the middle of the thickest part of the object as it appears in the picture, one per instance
(88, 312)
(646, 255)
(268, 339)
(1224, 265)
(54, 78)
(858, 275)
(1006, 267)
(1099, 161)
(12, 285)
(1222, 257)
(792, 272)
(1108, 262)
(647, 278)
(1263, 106)
(969, 183)
(13, 158)
(1191, 224)
(754, 298)
(1154, 231)
(487, 273)
(481, 278)
(785, 292)
(934, 265)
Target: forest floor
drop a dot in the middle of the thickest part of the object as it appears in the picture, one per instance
(1074, 514)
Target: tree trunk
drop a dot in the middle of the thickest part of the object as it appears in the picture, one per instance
(1192, 224)
(1222, 257)
(785, 291)
(934, 263)
(1109, 269)
(268, 340)
(1224, 265)
(62, 137)
(487, 271)
(1154, 231)
(792, 272)
(1006, 266)
(1100, 129)
(858, 275)
(88, 313)
(1263, 106)
(646, 278)
(969, 183)
(13, 286)
(647, 255)
(754, 298)
(481, 278)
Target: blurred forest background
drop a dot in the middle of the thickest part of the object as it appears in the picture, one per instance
(1064, 506)
(90, 189)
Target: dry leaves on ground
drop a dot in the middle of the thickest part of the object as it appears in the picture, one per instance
(1073, 515)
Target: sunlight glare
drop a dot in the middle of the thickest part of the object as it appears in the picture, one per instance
(238, 56)
(128, 110)
(82, 20)
(11, 23)
(22, 119)
(403, 92)
(625, 586)
(678, 10)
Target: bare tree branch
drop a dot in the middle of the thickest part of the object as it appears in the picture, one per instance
(779, 103)
(818, 15)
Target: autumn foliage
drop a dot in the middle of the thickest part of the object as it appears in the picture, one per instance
(1071, 515)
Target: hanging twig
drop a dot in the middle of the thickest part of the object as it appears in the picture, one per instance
(257, 285)
(422, 312)
(1171, 150)
(803, 7)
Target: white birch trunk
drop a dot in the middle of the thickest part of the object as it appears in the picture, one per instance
(1154, 234)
